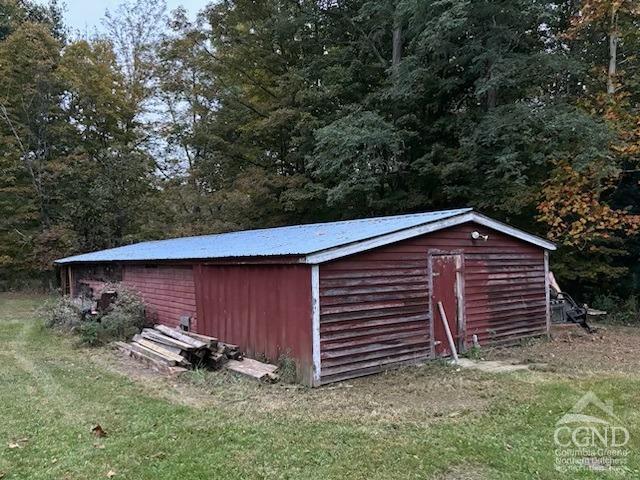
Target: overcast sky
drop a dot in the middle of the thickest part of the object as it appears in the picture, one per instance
(85, 15)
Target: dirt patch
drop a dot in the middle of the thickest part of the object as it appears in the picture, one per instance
(466, 472)
(422, 394)
(613, 349)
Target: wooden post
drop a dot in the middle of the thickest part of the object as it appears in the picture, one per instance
(70, 280)
(547, 293)
(445, 322)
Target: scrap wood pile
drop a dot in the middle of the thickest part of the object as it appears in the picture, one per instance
(168, 348)
(174, 351)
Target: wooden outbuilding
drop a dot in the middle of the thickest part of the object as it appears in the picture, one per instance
(342, 299)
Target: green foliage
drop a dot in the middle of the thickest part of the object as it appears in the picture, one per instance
(287, 368)
(124, 318)
(62, 314)
(619, 310)
(268, 113)
(474, 353)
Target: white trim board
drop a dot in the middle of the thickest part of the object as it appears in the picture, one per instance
(357, 247)
(315, 322)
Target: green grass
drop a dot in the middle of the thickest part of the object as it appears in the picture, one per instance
(394, 426)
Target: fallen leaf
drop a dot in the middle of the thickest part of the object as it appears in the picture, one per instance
(98, 431)
(111, 474)
(98, 445)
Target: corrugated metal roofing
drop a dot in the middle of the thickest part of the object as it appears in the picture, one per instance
(294, 240)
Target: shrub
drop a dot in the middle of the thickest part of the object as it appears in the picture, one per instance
(62, 314)
(619, 311)
(123, 319)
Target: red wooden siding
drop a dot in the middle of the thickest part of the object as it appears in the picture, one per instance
(372, 312)
(505, 295)
(168, 292)
(265, 309)
(375, 306)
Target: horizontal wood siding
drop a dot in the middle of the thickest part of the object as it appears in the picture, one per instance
(265, 309)
(168, 292)
(373, 312)
(505, 295)
(374, 306)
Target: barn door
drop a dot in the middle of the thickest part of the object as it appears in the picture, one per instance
(446, 284)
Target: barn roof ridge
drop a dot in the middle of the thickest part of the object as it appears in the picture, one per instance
(317, 242)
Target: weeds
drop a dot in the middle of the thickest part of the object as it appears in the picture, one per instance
(124, 318)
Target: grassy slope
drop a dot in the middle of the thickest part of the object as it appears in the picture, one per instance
(52, 393)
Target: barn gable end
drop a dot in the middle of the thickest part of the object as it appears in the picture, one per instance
(376, 307)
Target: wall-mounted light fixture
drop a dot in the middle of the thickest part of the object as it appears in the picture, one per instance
(475, 235)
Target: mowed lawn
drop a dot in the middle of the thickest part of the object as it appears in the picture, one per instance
(418, 423)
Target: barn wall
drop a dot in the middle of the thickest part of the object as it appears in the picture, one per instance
(168, 290)
(265, 309)
(374, 306)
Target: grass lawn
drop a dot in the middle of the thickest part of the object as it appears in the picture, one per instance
(418, 423)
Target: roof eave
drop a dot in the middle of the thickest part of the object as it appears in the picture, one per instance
(362, 246)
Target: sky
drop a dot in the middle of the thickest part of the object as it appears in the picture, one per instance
(85, 15)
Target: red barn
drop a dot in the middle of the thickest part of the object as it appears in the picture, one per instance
(342, 299)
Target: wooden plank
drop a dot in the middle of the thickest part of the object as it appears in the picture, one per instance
(329, 340)
(329, 283)
(352, 367)
(158, 337)
(359, 307)
(135, 347)
(211, 342)
(160, 350)
(405, 294)
(369, 289)
(195, 344)
(376, 348)
(253, 369)
(138, 338)
(447, 330)
(374, 356)
(160, 366)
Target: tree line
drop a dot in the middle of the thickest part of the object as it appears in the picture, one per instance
(270, 112)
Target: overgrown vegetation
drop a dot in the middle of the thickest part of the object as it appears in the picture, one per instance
(124, 317)
(287, 368)
(62, 314)
(619, 310)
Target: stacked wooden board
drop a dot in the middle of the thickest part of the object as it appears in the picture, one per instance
(174, 351)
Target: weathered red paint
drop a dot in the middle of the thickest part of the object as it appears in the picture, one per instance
(265, 309)
(375, 308)
(445, 290)
(168, 292)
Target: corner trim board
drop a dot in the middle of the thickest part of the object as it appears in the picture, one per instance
(345, 250)
(547, 292)
(315, 322)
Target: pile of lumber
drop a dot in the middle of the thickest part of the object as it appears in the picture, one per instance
(174, 351)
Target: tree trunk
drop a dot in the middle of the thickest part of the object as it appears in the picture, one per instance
(396, 42)
(613, 53)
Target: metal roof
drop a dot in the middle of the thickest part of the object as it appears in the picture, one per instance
(293, 240)
(319, 241)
